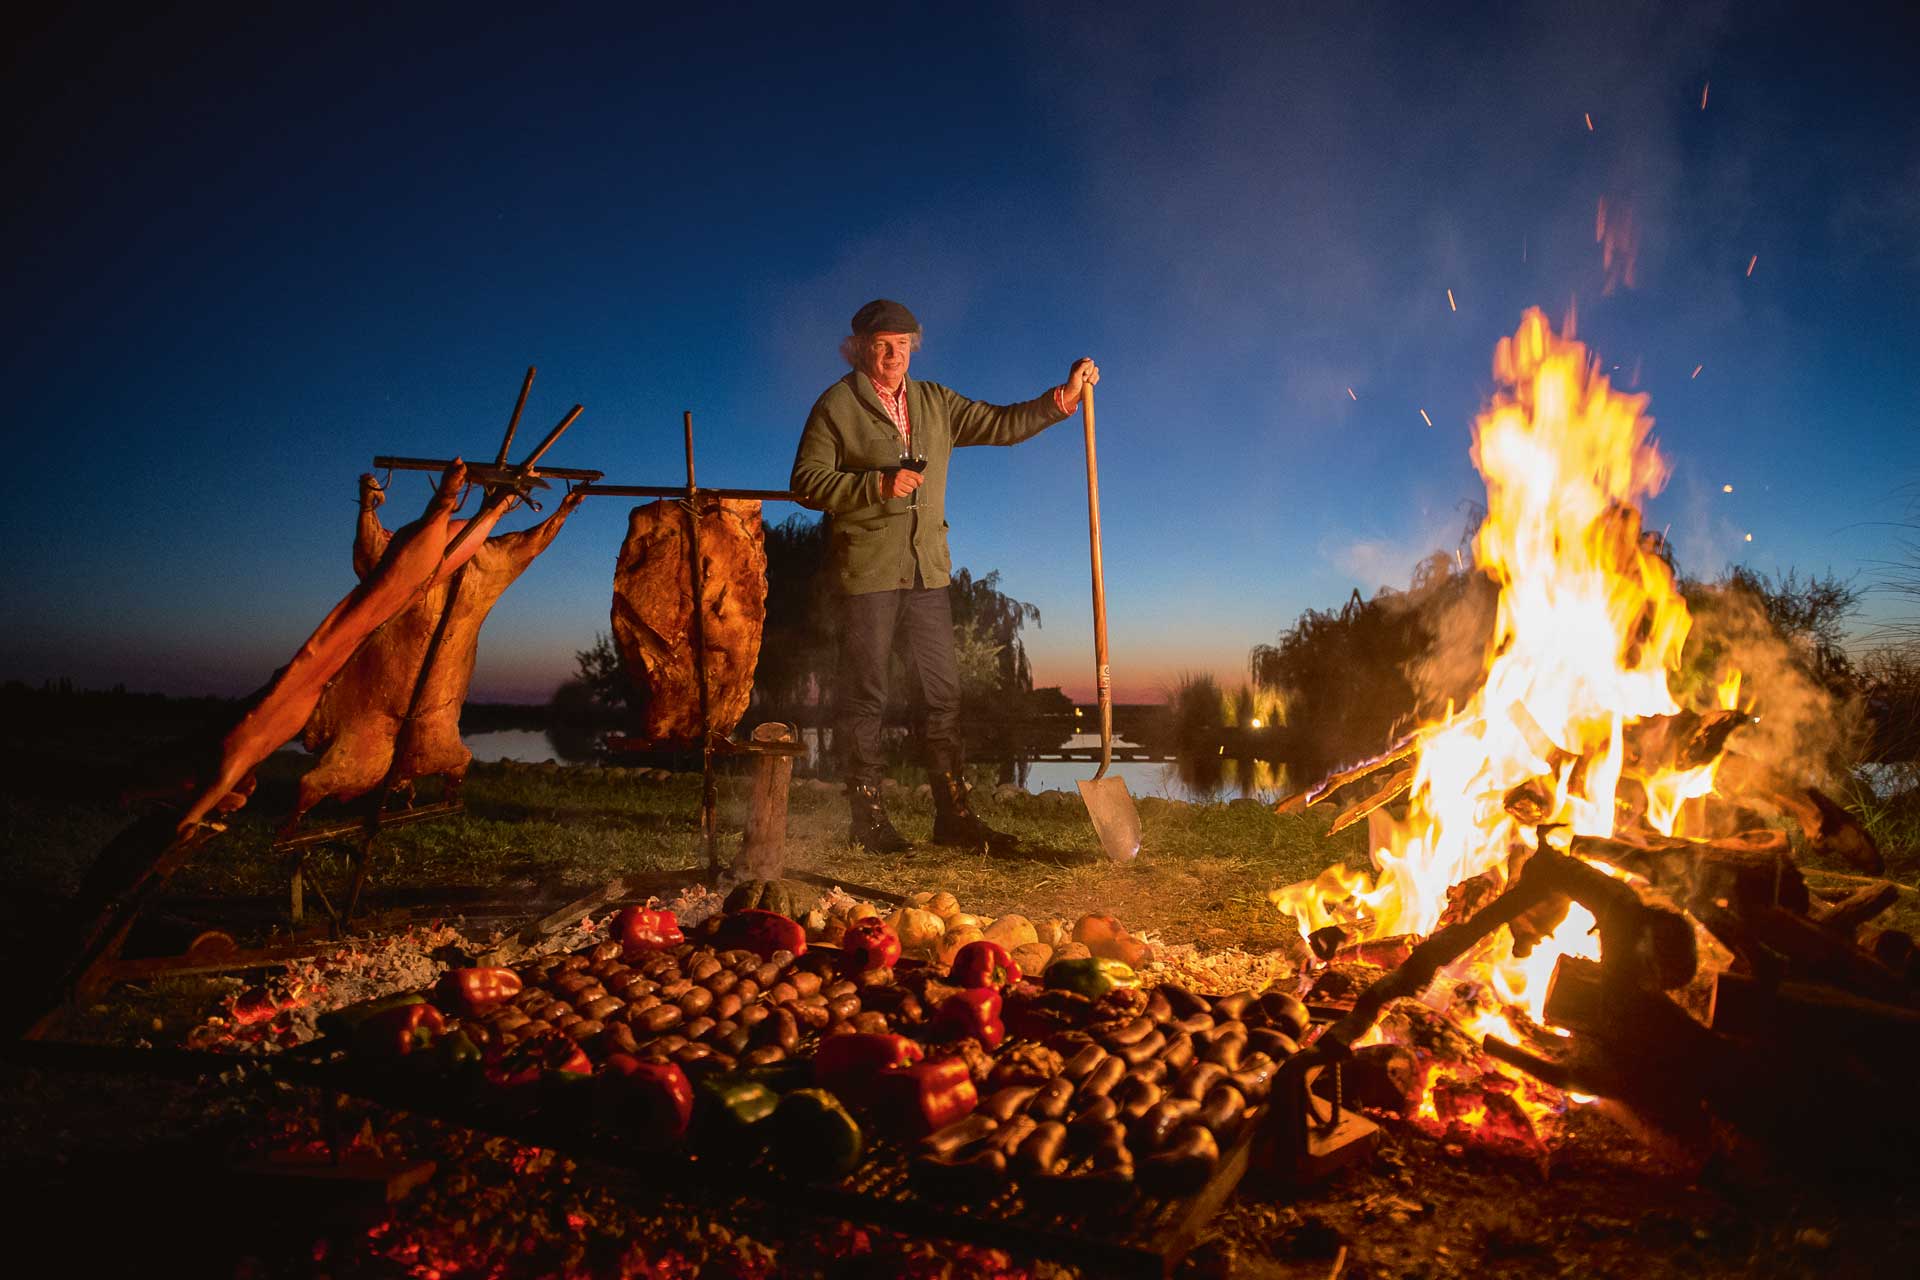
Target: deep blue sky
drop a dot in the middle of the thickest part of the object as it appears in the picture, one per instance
(250, 252)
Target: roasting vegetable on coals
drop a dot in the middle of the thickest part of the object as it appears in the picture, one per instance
(761, 932)
(1092, 977)
(650, 1103)
(533, 1059)
(975, 1012)
(477, 991)
(925, 1096)
(764, 895)
(848, 1064)
(395, 1032)
(814, 1137)
(869, 944)
(344, 1020)
(644, 929)
(984, 964)
(731, 1106)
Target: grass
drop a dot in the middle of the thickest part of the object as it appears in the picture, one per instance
(1202, 875)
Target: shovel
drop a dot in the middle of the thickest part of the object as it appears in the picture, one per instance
(1115, 819)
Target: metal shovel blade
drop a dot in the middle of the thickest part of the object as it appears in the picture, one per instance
(1115, 819)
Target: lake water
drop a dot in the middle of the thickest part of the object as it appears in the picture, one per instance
(1198, 780)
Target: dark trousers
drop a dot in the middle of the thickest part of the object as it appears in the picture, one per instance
(869, 622)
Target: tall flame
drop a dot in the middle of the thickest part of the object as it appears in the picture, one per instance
(1589, 630)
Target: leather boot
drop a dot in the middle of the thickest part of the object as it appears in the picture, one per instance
(870, 827)
(955, 822)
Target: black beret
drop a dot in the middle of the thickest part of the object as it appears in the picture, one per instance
(884, 315)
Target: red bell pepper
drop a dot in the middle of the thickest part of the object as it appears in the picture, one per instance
(527, 1062)
(478, 991)
(847, 1064)
(869, 944)
(984, 963)
(651, 1102)
(397, 1032)
(761, 932)
(924, 1096)
(643, 929)
(975, 1013)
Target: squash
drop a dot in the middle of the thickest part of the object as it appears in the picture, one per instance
(951, 943)
(1012, 932)
(964, 920)
(1033, 958)
(918, 929)
(943, 904)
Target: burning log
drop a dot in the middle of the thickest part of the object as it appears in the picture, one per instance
(1754, 871)
(1863, 904)
(1829, 828)
(1395, 787)
(1327, 786)
(1747, 1008)
(1815, 952)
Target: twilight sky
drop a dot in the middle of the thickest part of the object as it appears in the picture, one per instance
(250, 252)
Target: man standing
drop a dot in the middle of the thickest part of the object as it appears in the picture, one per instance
(874, 456)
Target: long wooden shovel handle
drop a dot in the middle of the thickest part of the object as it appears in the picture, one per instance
(1103, 679)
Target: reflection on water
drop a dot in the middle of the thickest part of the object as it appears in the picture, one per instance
(1204, 779)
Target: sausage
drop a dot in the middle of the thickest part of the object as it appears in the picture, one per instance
(1098, 1111)
(754, 1014)
(697, 1028)
(1009, 1102)
(584, 1028)
(572, 962)
(1184, 1165)
(675, 989)
(725, 1006)
(1041, 1151)
(843, 987)
(1136, 1096)
(1195, 1023)
(1159, 1008)
(1150, 1131)
(1051, 1100)
(811, 1016)
(780, 992)
(604, 1008)
(704, 968)
(871, 1021)
(569, 983)
(722, 981)
(1182, 1002)
(746, 988)
(606, 951)
(766, 975)
(733, 1039)
(1285, 1013)
(781, 1029)
(692, 1052)
(1276, 1044)
(1008, 1137)
(619, 1038)
(664, 1046)
(763, 1056)
(958, 1136)
(736, 958)
(805, 984)
(842, 1007)
(1109, 1152)
(1254, 1079)
(633, 986)
(1101, 1079)
(662, 1017)
(695, 1001)
(1081, 1064)
(1223, 1111)
(1221, 1027)
(1131, 1033)
(1227, 1050)
(1178, 1054)
(638, 1006)
(1230, 1008)
(1140, 1050)
(1197, 1079)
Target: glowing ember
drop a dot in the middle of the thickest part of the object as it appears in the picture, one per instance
(1589, 630)
(1451, 304)
(1424, 418)
(1750, 262)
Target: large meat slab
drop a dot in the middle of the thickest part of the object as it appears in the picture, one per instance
(653, 613)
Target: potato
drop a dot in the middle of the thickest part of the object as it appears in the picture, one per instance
(1033, 958)
(1012, 932)
(955, 939)
(1071, 951)
(1053, 931)
(943, 904)
(917, 929)
(920, 899)
(965, 920)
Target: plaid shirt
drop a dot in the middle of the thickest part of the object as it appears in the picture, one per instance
(895, 403)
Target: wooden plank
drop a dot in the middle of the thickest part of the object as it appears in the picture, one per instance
(357, 827)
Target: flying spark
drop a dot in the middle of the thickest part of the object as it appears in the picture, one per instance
(1423, 414)
(1749, 537)
(1726, 488)
(1450, 302)
(1350, 394)
(1696, 370)
(1750, 261)
(1703, 94)
(1589, 116)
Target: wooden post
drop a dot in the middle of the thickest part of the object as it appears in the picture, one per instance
(763, 850)
(709, 792)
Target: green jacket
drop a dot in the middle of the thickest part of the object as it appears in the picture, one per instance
(849, 440)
